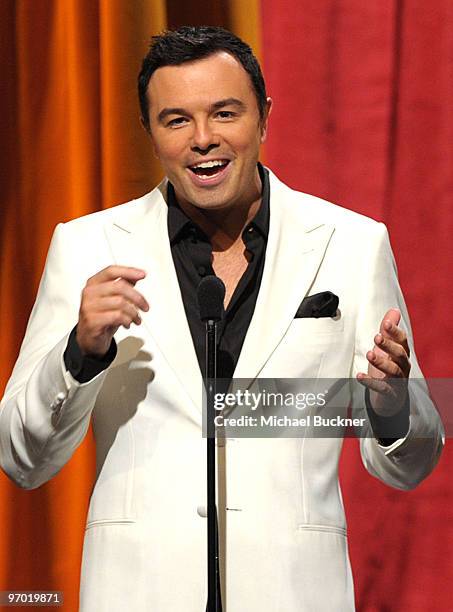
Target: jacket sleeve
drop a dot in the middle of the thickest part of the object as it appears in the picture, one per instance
(45, 412)
(408, 460)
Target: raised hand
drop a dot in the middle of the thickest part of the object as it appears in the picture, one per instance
(109, 300)
(389, 366)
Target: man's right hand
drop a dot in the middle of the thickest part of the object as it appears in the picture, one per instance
(109, 300)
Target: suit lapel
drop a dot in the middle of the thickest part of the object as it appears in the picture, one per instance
(140, 238)
(295, 249)
(296, 246)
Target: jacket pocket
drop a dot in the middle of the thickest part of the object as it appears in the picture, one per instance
(107, 522)
(322, 528)
(313, 328)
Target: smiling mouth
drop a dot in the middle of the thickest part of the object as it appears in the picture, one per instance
(206, 170)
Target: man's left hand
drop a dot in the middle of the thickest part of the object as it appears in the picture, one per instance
(388, 366)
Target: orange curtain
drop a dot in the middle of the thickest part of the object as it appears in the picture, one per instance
(71, 144)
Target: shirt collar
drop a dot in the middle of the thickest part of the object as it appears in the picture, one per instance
(179, 222)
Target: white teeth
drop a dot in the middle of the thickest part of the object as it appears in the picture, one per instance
(210, 164)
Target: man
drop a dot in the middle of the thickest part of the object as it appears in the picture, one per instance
(129, 353)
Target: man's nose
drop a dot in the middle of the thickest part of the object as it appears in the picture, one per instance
(204, 138)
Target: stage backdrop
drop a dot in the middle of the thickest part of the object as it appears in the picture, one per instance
(362, 116)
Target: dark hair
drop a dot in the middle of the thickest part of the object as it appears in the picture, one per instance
(174, 47)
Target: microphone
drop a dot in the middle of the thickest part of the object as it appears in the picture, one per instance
(210, 295)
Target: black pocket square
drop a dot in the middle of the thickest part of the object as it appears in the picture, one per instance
(324, 304)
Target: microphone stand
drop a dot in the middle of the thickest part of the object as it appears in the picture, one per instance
(211, 294)
(214, 595)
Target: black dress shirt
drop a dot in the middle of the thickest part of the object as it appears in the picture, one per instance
(192, 255)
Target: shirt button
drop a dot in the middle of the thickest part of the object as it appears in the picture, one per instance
(201, 270)
(201, 511)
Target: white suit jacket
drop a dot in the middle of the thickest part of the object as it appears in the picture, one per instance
(145, 541)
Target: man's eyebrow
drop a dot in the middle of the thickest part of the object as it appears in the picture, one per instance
(229, 102)
(170, 111)
(216, 106)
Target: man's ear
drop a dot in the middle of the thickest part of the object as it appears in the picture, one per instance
(265, 120)
(144, 126)
(155, 153)
(147, 129)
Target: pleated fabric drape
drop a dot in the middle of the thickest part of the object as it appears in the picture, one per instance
(71, 144)
(362, 116)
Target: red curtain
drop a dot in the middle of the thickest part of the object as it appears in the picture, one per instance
(363, 98)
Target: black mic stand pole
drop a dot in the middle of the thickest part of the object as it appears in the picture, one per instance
(213, 543)
(211, 294)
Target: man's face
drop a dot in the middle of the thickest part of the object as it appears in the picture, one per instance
(205, 112)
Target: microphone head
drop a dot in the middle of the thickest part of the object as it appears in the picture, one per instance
(210, 294)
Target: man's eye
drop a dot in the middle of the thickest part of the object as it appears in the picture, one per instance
(176, 121)
(225, 114)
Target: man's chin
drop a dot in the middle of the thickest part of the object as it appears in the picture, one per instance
(214, 200)
(211, 206)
